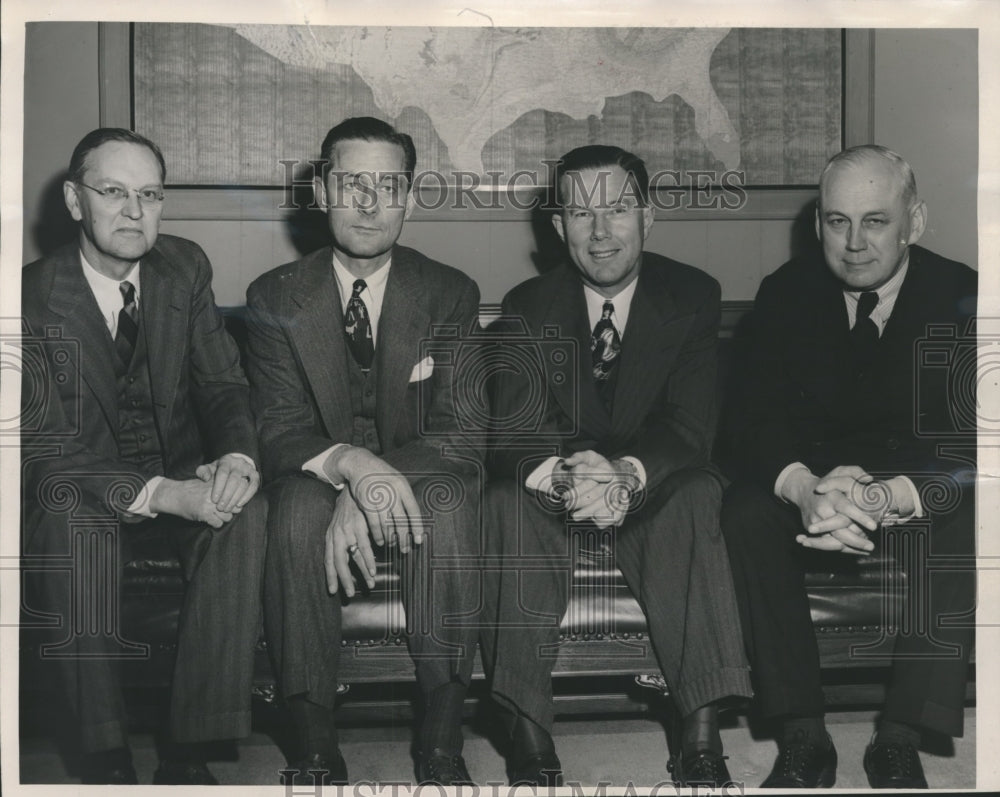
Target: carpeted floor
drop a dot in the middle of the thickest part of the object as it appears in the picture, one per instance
(614, 751)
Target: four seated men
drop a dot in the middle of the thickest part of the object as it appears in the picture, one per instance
(357, 404)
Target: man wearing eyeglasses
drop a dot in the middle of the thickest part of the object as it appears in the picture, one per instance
(137, 409)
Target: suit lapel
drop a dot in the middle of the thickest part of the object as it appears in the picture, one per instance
(163, 312)
(648, 347)
(403, 323)
(72, 299)
(318, 334)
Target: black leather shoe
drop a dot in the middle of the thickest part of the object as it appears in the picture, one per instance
(183, 773)
(111, 776)
(443, 768)
(108, 767)
(544, 769)
(316, 768)
(893, 765)
(704, 768)
(803, 765)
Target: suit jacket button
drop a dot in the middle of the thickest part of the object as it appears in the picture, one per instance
(892, 443)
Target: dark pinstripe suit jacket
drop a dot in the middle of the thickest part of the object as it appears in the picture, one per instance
(70, 419)
(298, 365)
(663, 408)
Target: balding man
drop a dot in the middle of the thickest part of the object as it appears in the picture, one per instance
(838, 432)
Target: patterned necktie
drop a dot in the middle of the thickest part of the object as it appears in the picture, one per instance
(128, 323)
(605, 344)
(358, 328)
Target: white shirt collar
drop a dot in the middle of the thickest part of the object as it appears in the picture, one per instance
(622, 302)
(373, 294)
(107, 292)
(887, 295)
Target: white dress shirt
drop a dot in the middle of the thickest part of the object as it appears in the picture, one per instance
(373, 295)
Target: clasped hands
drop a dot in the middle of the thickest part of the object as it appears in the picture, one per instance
(220, 490)
(377, 505)
(595, 488)
(841, 508)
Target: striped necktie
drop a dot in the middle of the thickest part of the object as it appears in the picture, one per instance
(128, 323)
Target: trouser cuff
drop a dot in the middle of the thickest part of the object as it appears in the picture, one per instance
(712, 686)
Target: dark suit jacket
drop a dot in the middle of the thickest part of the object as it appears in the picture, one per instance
(70, 418)
(298, 364)
(663, 408)
(799, 399)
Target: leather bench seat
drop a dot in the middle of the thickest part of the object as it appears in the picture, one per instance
(603, 629)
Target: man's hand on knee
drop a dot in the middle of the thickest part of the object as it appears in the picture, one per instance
(234, 481)
(832, 521)
(385, 497)
(601, 489)
(190, 499)
(346, 540)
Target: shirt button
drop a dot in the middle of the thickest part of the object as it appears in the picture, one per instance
(131, 380)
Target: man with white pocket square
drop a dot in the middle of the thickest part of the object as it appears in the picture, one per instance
(356, 426)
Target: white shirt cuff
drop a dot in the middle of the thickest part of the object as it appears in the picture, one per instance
(640, 471)
(540, 478)
(140, 506)
(315, 466)
(893, 518)
(779, 483)
(245, 458)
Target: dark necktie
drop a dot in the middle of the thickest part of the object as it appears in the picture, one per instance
(865, 331)
(128, 323)
(605, 344)
(864, 334)
(358, 328)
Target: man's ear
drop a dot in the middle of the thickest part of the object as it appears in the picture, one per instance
(648, 216)
(918, 222)
(319, 192)
(411, 199)
(557, 222)
(72, 199)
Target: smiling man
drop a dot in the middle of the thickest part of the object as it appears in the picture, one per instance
(840, 431)
(355, 422)
(146, 422)
(617, 457)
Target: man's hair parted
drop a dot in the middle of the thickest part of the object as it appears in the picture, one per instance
(105, 135)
